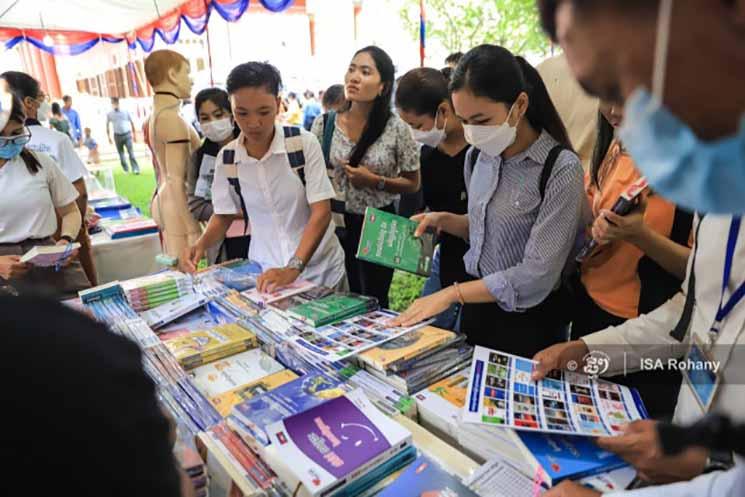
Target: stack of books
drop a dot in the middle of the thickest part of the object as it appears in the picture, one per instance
(205, 346)
(232, 380)
(251, 418)
(127, 228)
(416, 360)
(332, 309)
(151, 291)
(105, 205)
(193, 465)
(341, 447)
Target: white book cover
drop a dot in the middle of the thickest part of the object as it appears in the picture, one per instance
(166, 313)
(227, 374)
(48, 255)
(335, 443)
(264, 299)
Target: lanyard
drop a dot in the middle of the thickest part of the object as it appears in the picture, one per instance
(725, 308)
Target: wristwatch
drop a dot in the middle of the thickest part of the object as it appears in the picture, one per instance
(67, 238)
(296, 263)
(380, 186)
(719, 460)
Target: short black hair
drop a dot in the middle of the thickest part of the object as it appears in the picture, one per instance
(334, 95)
(217, 96)
(253, 75)
(114, 100)
(453, 58)
(22, 84)
(56, 109)
(66, 98)
(547, 10)
(447, 71)
(421, 91)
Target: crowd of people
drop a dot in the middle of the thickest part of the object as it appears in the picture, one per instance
(489, 154)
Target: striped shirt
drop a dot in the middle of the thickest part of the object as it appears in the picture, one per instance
(520, 245)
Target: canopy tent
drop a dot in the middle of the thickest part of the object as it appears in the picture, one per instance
(64, 28)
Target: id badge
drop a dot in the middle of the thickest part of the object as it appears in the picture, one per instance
(699, 374)
(203, 187)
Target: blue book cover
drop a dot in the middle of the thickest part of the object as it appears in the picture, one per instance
(425, 478)
(565, 456)
(291, 398)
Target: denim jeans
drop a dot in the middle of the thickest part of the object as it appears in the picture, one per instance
(447, 319)
(122, 142)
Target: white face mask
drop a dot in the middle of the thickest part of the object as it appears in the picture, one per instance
(219, 130)
(491, 139)
(432, 137)
(44, 112)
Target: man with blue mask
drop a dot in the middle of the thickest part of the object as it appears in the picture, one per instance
(679, 67)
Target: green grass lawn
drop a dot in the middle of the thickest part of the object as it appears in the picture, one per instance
(139, 190)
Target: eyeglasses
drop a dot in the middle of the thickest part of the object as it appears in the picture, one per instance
(16, 139)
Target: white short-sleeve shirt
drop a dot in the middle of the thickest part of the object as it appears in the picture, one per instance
(279, 205)
(59, 147)
(28, 201)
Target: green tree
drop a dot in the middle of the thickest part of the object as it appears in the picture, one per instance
(462, 24)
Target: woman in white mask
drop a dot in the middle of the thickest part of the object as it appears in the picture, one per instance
(212, 106)
(526, 206)
(423, 102)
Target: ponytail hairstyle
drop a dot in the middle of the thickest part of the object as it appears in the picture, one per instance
(381, 108)
(16, 114)
(493, 72)
(602, 144)
(421, 91)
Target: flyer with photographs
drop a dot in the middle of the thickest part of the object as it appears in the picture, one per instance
(350, 337)
(501, 392)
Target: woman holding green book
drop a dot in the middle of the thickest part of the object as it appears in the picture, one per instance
(526, 205)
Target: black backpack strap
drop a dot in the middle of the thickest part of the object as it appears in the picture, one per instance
(295, 154)
(475, 152)
(228, 160)
(329, 125)
(548, 168)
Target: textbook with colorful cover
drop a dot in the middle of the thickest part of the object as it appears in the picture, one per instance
(225, 402)
(563, 456)
(414, 344)
(226, 374)
(205, 346)
(388, 240)
(48, 255)
(331, 446)
(502, 393)
(332, 308)
(425, 478)
(291, 398)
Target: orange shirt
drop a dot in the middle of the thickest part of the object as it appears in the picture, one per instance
(610, 274)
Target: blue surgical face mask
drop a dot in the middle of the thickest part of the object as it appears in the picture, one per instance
(10, 150)
(703, 176)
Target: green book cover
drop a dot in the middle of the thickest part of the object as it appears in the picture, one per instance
(388, 240)
(332, 308)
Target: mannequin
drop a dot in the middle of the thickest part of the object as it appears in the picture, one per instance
(172, 140)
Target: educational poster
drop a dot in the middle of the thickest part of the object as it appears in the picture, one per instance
(351, 336)
(500, 392)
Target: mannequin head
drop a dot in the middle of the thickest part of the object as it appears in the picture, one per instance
(168, 71)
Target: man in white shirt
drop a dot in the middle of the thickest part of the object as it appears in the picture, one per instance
(276, 177)
(58, 146)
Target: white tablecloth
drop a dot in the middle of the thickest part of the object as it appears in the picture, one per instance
(124, 258)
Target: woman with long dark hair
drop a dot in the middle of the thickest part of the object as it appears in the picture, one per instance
(212, 106)
(374, 159)
(525, 207)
